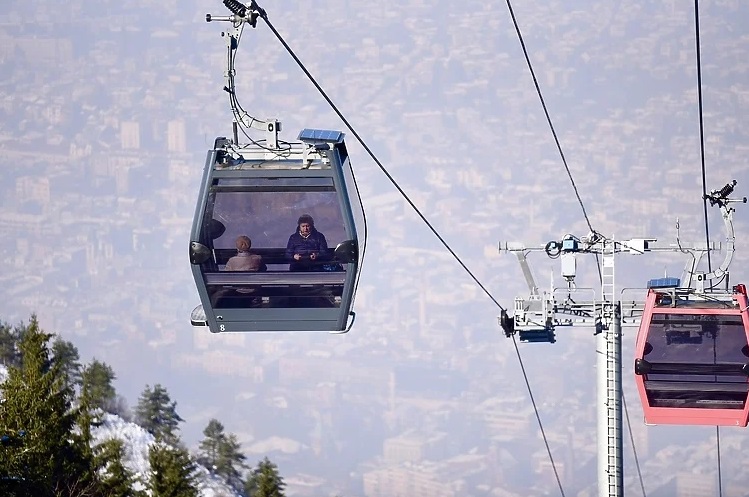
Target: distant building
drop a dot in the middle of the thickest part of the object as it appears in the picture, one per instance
(46, 50)
(175, 136)
(452, 477)
(130, 135)
(414, 446)
(504, 419)
(405, 482)
(32, 188)
(7, 46)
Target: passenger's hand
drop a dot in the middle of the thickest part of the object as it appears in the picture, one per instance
(297, 257)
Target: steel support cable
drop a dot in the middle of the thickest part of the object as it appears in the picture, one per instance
(579, 199)
(264, 16)
(538, 416)
(704, 187)
(546, 112)
(632, 441)
(702, 126)
(379, 164)
(720, 479)
(551, 125)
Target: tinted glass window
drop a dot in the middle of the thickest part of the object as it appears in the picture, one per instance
(269, 218)
(690, 339)
(697, 339)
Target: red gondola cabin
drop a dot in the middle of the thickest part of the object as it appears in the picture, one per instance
(691, 363)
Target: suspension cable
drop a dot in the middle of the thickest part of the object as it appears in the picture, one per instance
(720, 478)
(379, 164)
(392, 180)
(546, 112)
(538, 416)
(702, 127)
(704, 187)
(634, 448)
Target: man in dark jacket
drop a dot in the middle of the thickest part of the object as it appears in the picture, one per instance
(307, 248)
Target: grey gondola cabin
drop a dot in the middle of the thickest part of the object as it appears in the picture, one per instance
(274, 245)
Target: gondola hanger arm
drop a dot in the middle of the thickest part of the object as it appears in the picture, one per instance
(243, 14)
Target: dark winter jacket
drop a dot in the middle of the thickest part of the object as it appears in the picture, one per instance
(315, 243)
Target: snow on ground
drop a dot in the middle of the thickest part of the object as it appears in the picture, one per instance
(137, 441)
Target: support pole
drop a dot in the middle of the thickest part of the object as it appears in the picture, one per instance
(609, 369)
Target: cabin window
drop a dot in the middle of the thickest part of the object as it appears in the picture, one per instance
(270, 217)
(696, 339)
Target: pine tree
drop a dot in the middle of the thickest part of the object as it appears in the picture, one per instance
(220, 453)
(157, 414)
(97, 377)
(8, 346)
(10, 340)
(43, 454)
(265, 481)
(66, 355)
(211, 444)
(117, 480)
(87, 416)
(230, 462)
(172, 471)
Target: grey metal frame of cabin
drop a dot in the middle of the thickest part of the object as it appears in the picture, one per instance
(322, 155)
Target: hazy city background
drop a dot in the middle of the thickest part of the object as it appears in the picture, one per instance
(106, 112)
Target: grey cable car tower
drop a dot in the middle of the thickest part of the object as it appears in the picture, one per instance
(540, 314)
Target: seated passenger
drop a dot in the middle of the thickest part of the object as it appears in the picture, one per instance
(244, 260)
(307, 248)
(241, 296)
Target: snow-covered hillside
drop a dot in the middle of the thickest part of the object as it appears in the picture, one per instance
(137, 440)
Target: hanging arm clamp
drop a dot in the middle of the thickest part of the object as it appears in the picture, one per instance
(243, 14)
(239, 13)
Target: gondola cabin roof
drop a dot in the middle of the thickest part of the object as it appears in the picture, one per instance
(692, 357)
(254, 265)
